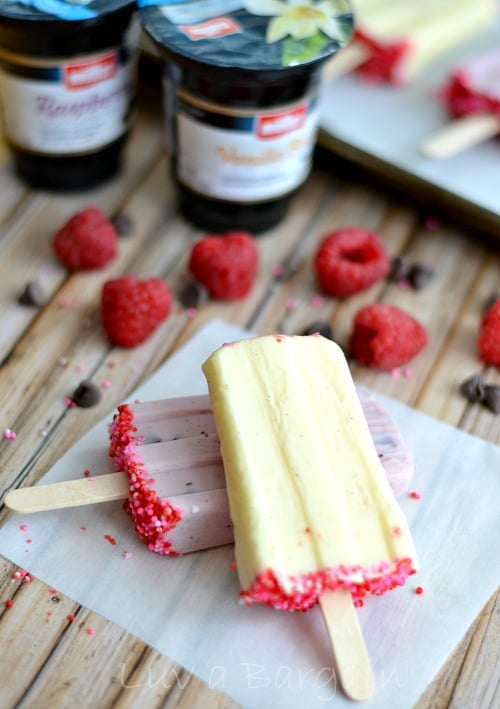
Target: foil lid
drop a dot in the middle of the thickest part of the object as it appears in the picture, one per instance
(71, 11)
(254, 35)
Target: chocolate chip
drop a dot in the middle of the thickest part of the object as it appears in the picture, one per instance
(473, 388)
(285, 272)
(420, 274)
(400, 269)
(32, 295)
(417, 274)
(476, 391)
(193, 295)
(319, 327)
(86, 394)
(123, 224)
(492, 398)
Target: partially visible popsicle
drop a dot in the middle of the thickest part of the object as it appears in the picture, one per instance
(177, 492)
(472, 96)
(395, 41)
(315, 520)
(172, 475)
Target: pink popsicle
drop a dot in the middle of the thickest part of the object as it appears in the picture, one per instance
(170, 452)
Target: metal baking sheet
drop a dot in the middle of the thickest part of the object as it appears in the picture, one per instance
(380, 127)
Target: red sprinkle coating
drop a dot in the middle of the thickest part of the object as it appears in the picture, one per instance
(271, 589)
(462, 99)
(152, 516)
(384, 62)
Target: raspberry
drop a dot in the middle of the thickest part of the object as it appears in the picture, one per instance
(225, 264)
(132, 309)
(489, 335)
(349, 261)
(88, 240)
(385, 337)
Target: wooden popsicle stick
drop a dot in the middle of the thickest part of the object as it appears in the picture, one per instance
(460, 135)
(114, 486)
(353, 663)
(68, 493)
(346, 60)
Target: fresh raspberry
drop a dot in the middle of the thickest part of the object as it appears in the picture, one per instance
(88, 240)
(385, 337)
(489, 335)
(132, 309)
(225, 264)
(349, 261)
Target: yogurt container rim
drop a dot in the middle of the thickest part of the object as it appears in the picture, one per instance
(256, 35)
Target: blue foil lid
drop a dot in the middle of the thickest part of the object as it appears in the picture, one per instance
(257, 35)
(44, 10)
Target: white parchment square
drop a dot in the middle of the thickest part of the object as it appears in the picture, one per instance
(187, 608)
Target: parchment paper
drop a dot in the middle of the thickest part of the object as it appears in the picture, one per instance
(188, 607)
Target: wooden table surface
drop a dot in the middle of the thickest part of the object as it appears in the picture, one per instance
(45, 350)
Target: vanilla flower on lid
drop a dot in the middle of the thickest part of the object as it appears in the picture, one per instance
(298, 18)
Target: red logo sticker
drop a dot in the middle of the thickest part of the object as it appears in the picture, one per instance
(84, 75)
(216, 27)
(278, 124)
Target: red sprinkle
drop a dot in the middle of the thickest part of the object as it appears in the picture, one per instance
(110, 539)
(9, 603)
(86, 473)
(91, 631)
(415, 495)
(71, 617)
(419, 590)
(232, 565)
(431, 223)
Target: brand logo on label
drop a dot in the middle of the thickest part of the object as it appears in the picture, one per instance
(216, 27)
(82, 76)
(278, 124)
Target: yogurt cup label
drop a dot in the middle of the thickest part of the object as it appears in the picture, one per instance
(245, 156)
(70, 108)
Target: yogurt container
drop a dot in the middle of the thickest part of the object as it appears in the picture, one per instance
(241, 83)
(67, 87)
